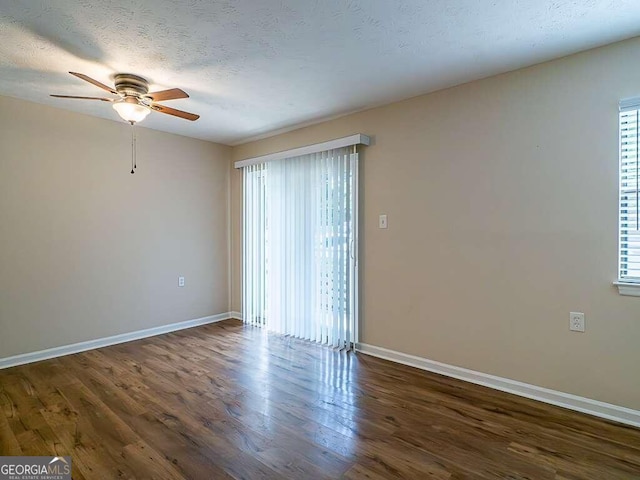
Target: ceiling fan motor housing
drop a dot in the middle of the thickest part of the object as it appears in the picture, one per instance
(128, 84)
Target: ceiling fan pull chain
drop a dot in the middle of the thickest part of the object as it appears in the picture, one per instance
(133, 149)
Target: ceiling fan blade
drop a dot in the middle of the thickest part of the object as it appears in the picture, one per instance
(176, 113)
(84, 98)
(82, 76)
(171, 94)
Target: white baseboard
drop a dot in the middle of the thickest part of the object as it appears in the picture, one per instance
(236, 315)
(105, 342)
(561, 399)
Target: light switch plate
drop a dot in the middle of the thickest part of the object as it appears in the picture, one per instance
(382, 221)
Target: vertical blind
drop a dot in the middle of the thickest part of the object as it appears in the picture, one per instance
(299, 219)
(629, 236)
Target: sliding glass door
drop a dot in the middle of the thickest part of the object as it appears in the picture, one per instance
(300, 246)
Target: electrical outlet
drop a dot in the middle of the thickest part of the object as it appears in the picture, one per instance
(181, 281)
(576, 321)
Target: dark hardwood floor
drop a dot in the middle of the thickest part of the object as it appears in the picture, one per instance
(229, 401)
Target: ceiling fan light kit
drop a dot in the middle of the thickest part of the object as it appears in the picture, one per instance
(131, 111)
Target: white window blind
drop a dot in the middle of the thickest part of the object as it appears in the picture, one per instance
(629, 236)
(300, 222)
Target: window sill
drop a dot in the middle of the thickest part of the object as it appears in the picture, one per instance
(628, 288)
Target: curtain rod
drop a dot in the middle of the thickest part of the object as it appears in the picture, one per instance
(357, 139)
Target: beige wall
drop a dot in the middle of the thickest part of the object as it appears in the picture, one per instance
(88, 250)
(501, 196)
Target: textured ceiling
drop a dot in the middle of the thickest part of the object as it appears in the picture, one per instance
(257, 66)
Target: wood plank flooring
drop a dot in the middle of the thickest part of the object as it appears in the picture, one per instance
(229, 401)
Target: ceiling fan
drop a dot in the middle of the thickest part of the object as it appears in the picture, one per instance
(134, 102)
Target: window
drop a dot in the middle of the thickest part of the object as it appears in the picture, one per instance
(299, 262)
(629, 196)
